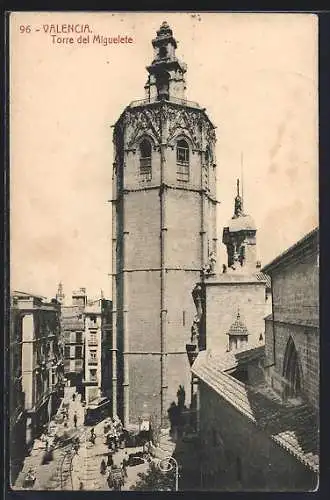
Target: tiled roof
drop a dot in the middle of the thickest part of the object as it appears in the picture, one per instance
(293, 427)
(231, 359)
(238, 327)
(264, 277)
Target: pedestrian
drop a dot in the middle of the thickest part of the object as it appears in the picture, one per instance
(75, 419)
(81, 485)
(103, 467)
(124, 468)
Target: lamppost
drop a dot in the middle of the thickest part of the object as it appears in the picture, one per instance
(166, 465)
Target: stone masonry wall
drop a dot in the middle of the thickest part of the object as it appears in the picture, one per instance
(238, 456)
(295, 303)
(222, 303)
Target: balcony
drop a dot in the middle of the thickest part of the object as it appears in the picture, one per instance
(175, 100)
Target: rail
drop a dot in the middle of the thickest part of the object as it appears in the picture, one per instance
(175, 100)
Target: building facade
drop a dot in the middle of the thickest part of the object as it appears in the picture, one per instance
(92, 351)
(106, 345)
(73, 328)
(87, 331)
(164, 230)
(37, 361)
(17, 415)
(258, 407)
(292, 330)
(237, 297)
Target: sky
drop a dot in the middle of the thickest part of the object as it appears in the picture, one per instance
(256, 75)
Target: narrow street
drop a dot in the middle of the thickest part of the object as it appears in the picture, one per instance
(73, 471)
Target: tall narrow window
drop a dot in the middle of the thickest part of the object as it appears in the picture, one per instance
(182, 160)
(206, 167)
(291, 371)
(78, 354)
(145, 160)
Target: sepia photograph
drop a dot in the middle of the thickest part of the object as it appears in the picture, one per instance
(164, 251)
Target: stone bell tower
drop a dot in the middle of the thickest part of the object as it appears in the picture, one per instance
(166, 72)
(163, 231)
(239, 236)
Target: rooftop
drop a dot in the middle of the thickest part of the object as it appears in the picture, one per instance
(264, 277)
(27, 295)
(241, 223)
(293, 426)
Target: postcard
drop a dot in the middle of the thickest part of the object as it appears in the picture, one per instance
(164, 251)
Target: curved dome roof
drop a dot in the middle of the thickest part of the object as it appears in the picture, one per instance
(241, 223)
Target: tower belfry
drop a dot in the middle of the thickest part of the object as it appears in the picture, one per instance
(163, 231)
(239, 236)
(166, 73)
(60, 293)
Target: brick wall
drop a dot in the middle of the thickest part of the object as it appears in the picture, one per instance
(183, 222)
(144, 388)
(142, 221)
(143, 304)
(295, 291)
(236, 455)
(144, 333)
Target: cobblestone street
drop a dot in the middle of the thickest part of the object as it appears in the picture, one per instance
(73, 471)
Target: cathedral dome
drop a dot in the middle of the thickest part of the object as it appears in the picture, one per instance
(238, 327)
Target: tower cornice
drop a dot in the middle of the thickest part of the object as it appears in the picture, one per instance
(175, 103)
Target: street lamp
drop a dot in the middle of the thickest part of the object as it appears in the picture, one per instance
(166, 465)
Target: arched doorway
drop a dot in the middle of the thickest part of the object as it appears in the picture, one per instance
(292, 371)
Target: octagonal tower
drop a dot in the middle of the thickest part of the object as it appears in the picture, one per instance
(164, 229)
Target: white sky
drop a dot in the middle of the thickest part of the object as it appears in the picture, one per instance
(256, 74)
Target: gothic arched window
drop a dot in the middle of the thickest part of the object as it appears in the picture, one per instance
(182, 160)
(145, 160)
(291, 371)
